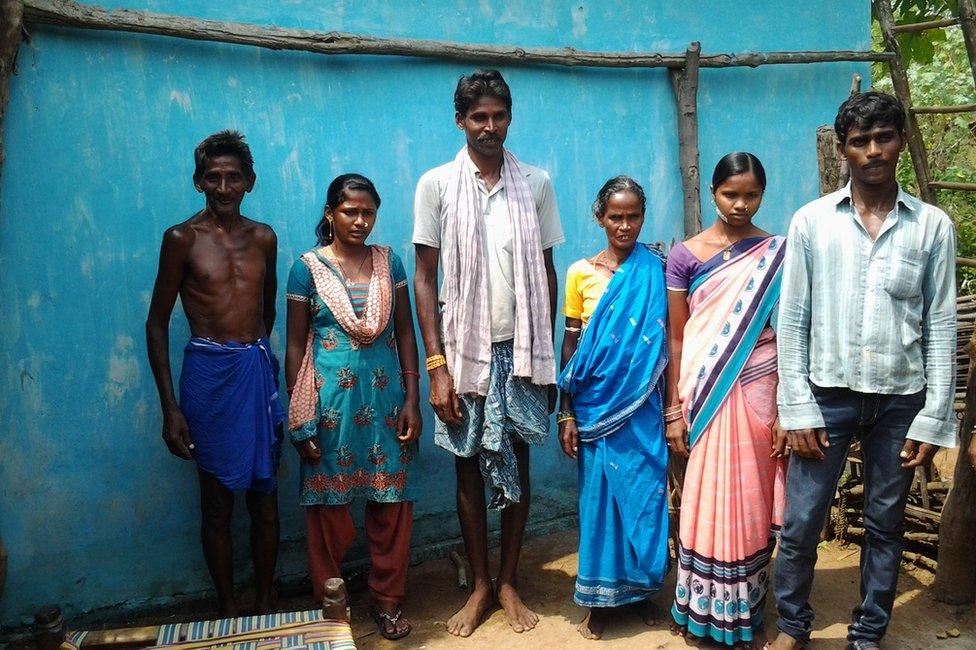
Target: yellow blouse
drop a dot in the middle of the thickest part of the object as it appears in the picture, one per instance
(584, 288)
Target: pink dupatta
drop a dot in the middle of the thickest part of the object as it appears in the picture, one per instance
(364, 329)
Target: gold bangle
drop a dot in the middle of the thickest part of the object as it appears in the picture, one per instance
(436, 361)
(566, 418)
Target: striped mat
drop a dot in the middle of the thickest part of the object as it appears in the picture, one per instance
(285, 630)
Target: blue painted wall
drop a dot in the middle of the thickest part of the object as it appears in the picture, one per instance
(99, 138)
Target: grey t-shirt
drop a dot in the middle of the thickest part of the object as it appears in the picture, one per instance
(498, 236)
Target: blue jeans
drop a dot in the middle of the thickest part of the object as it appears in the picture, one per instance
(880, 422)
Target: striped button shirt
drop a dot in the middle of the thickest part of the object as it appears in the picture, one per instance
(872, 316)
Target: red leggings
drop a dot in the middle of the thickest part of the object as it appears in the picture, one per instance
(388, 526)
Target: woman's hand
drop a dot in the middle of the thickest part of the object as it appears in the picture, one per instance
(569, 438)
(780, 448)
(409, 423)
(676, 434)
(309, 451)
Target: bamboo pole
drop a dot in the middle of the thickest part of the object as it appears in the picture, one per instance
(899, 79)
(950, 185)
(684, 82)
(71, 14)
(11, 15)
(967, 22)
(929, 24)
(961, 108)
(965, 261)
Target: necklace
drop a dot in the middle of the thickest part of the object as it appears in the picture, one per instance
(345, 276)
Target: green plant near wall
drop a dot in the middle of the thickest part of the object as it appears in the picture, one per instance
(939, 74)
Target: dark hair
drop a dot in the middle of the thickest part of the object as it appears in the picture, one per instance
(481, 83)
(865, 110)
(223, 143)
(738, 162)
(335, 195)
(611, 187)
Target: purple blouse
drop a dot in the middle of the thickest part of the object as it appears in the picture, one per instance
(681, 268)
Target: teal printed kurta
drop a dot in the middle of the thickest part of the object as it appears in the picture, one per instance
(360, 397)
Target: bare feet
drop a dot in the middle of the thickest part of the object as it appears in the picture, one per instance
(682, 631)
(520, 617)
(468, 618)
(785, 642)
(650, 613)
(592, 626)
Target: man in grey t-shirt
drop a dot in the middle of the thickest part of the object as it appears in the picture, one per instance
(490, 222)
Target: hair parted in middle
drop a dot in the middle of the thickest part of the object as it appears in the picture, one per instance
(335, 195)
(735, 163)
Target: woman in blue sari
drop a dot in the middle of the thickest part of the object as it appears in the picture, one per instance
(614, 353)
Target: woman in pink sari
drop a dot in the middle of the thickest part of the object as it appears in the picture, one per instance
(723, 286)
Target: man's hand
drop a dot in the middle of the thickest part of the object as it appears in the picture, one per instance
(446, 403)
(779, 441)
(916, 454)
(409, 423)
(677, 437)
(808, 443)
(176, 433)
(569, 438)
(309, 451)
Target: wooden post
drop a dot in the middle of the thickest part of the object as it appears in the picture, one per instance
(967, 23)
(899, 79)
(834, 170)
(828, 159)
(684, 82)
(955, 579)
(11, 17)
(845, 168)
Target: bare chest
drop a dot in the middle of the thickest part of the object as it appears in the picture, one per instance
(220, 259)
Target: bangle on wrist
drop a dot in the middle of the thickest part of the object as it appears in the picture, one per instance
(565, 416)
(411, 373)
(435, 361)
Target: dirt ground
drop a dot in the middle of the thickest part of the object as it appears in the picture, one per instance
(549, 567)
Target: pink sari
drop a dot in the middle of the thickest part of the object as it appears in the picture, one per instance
(733, 495)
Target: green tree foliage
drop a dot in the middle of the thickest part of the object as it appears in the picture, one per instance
(939, 74)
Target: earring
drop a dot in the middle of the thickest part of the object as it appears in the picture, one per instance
(331, 232)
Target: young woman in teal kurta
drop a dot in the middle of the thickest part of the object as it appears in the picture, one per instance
(354, 412)
(360, 398)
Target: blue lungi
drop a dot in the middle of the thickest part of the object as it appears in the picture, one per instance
(229, 396)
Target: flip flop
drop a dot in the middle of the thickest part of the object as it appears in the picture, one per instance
(379, 617)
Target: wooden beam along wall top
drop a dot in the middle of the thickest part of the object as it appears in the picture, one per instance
(71, 14)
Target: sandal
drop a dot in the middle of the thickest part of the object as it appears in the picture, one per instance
(383, 620)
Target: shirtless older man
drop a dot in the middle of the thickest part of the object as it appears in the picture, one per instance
(222, 266)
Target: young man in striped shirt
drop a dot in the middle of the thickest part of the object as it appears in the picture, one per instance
(866, 343)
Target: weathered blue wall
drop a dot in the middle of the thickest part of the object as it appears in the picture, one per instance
(99, 135)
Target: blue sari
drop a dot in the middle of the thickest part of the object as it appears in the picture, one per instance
(615, 379)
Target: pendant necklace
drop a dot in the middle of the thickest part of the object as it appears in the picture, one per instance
(345, 276)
